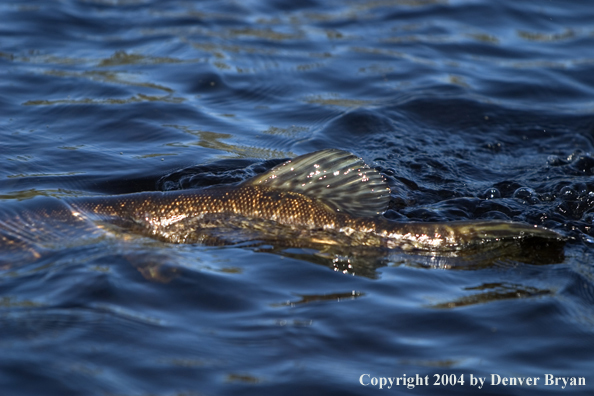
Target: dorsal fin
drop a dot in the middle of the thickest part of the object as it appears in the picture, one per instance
(338, 178)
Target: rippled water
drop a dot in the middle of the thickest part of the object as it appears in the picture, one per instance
(472, 109)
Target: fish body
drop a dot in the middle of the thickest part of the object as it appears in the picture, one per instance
(330, 197)
(178, 217)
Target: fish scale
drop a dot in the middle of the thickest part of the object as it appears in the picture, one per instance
(329, 196)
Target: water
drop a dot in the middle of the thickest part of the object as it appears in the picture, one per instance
(472, 109)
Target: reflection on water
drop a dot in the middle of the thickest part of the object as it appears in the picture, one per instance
(214, 140)
(336, 297)
(492, 292)
(472, 110)
(111, 101)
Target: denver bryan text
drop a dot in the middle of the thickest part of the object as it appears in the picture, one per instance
(459, 380)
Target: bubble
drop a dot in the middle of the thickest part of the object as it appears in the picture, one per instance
(555, 160)
(547, 197)
(527, 195)
(583, 163)
(574, 155)
(568, 194)
(492, 193)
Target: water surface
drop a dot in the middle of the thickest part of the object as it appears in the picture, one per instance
(472, 109)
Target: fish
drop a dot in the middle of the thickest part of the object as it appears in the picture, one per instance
(329, 197)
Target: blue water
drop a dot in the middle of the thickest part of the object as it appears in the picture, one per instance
(472, 109)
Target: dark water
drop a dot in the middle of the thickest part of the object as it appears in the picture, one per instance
(472, 109)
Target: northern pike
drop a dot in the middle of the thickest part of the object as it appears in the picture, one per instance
(329, 196)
